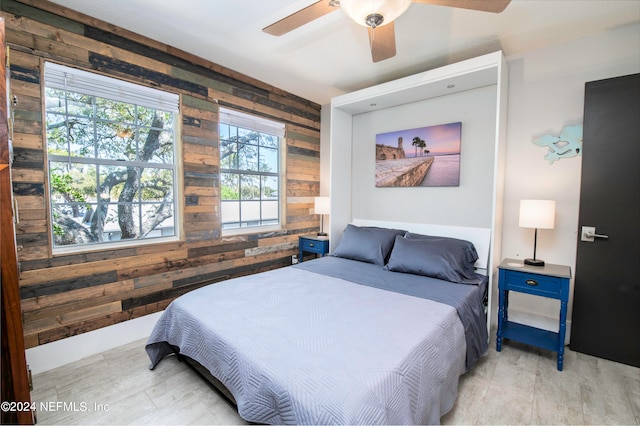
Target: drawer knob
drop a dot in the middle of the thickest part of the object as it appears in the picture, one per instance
(310, 244)
(531, 282)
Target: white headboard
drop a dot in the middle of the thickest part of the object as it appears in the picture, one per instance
(480, 237)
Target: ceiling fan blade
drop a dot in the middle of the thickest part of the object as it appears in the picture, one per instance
(299, 18)
(383, 42)
(494, 6)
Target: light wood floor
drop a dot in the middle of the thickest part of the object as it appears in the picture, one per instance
(519, 385)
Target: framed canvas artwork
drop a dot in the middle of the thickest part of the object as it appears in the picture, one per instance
(424, 156)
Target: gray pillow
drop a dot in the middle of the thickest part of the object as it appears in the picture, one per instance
(432, 257)
(367, 243)
(449, 243)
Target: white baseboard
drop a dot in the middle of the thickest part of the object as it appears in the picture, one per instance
(538, 321)
(55, 354)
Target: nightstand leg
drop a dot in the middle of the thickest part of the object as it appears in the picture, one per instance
(561, 333)
(501, 315)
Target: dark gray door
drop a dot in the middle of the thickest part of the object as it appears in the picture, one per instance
(606, 301)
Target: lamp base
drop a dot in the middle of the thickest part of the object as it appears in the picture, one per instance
(534, 262)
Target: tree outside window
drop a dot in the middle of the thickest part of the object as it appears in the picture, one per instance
(111, 169)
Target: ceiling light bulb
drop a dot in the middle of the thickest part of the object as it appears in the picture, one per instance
(373, 13)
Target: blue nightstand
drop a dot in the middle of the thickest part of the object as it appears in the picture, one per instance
(547, 281)
(313, 244)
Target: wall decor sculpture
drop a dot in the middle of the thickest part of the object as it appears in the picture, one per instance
(567, 144)
(424, 156)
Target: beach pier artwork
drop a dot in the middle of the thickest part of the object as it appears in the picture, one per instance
(425, 156)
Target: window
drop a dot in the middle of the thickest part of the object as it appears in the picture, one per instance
(249, 170)
(112, 159)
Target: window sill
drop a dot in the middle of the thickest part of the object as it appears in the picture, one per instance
(64, 251)
(250, 230)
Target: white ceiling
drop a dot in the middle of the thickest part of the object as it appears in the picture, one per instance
(330, 56)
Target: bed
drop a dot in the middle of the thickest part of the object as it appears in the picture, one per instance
(379, 332)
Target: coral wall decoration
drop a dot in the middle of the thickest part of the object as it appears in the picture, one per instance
(567, 144)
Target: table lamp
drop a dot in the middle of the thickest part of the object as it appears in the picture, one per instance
(322, 206)
(538, 214)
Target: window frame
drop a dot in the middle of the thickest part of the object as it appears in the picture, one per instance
(95, 85)
(261, 125)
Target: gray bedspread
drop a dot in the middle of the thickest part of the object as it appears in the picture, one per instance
(295, 346)
(467, 299)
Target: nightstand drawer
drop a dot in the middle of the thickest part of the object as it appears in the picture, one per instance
(311, 245)
(542, 285)
(315, 245)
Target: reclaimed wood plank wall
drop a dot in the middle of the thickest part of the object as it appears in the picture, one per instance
(70, 294)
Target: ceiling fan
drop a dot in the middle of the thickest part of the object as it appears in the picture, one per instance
(376, 15)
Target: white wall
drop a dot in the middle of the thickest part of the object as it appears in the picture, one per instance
(468, 204)
(546, 92)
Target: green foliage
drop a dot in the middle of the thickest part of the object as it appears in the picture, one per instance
(229, 193)
(64, 184)
(57, 229)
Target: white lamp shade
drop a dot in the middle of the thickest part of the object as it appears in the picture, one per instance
(358, 10)
(322, 205)
(537, 214)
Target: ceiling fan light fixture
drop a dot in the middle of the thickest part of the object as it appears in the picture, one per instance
(374, 13)
(374, 20)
